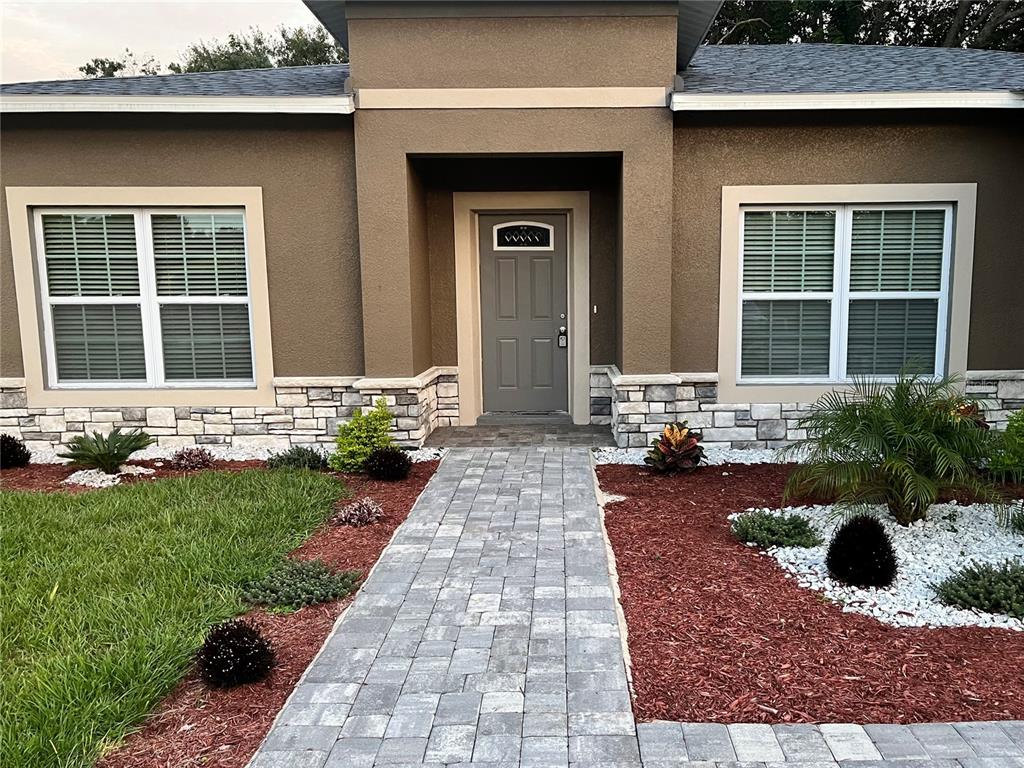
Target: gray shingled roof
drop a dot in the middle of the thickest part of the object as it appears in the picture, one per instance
(820, 68)
(325, 80)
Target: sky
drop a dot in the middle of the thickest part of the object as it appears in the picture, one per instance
(48, 40)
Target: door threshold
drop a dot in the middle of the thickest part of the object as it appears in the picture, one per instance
(493, 418)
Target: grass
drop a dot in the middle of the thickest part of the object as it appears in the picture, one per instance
(106, 595)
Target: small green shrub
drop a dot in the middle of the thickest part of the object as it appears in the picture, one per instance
(295, 583)
(1007, 461)
(767, 530)
(365, 511)
(234, 653)
(298, 457)
(861, 553)
(901, 444)
(190, 459)
(13, 452)
(987, 588)
(359, 436)
(388, 463)
(105, 452)
(676, 449)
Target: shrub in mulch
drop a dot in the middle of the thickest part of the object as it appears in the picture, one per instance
(764, 530)
(298, 457)
(13, 452)
(986, 587)
(388, 463)
(861, 553)
(295, 583)
(234, 653)
(365, 511)
(718, 633)
(191, 459)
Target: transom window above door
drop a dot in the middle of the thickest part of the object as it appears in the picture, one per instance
(146, 297)
(830, 293)
(523, 236)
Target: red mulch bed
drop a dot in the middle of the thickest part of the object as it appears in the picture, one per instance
(718, 633)
(48, 477)
(198, 726)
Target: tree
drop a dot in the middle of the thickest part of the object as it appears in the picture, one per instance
(997, 24)
(254, 49)
(126, 66)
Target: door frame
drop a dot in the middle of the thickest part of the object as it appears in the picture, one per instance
(467, 207)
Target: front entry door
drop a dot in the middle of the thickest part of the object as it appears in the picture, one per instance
(524, 312)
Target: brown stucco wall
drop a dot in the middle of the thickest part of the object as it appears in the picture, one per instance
(305, 166)
(850, 148)
(385, 139)
(520, 52)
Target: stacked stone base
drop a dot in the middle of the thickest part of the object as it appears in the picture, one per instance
(638, 407)
(306, 412)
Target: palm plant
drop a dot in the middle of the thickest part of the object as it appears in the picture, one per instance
(105, 452)
(900, 444)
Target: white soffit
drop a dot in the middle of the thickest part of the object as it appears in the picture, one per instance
(330, 105)
(681, 101)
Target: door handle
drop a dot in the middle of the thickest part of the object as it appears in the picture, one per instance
(563, 338)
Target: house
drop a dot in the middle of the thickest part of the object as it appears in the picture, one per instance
(508, 208)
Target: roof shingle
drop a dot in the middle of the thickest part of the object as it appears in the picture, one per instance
(824, 68)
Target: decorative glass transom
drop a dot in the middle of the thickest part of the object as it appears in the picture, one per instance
(523, 236)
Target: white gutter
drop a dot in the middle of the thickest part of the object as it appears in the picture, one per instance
(681, 101)
(323, 105)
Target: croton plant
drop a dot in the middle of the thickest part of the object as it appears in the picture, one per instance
(676, 449)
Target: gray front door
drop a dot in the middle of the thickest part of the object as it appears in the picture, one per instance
(524, 309)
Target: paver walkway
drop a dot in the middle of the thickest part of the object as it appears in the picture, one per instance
(487, 637)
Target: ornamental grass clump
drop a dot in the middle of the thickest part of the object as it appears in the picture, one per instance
(986, 587)
(1007, 463)
(360, 435)
(296, 583)
(901, 445)
(676, 449)
(13, 452)
(234, 653)
(298, 457)
(764, 530)
(105, 452)
(861, 554)
(388, 463)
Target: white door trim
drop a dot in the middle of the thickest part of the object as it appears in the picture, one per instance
(467, 290)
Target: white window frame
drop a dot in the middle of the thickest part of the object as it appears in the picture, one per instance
(148, 301)
(841, 295)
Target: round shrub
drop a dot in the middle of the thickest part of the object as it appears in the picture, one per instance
(861, 554)
(987, 588)
(188, 459)
(234, 653)
(388, 463)
(13, 452)
(767, 530)
(298, 457)
(295, 583)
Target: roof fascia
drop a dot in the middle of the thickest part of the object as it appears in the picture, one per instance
(731, 102)
(28, 103)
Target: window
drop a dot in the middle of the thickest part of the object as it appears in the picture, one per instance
(145, 297)
(523, 236)
(833, 292)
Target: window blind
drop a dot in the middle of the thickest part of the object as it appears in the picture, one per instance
(788, 250)
(786, 338)
(897, 250)
(199, 254)
(205, 342)
(91, 254)
(97, 342)
(886, 337)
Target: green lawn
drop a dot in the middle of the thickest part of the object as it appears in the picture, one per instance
(107, 594)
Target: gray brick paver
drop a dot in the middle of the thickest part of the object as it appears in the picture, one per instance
(487, 636)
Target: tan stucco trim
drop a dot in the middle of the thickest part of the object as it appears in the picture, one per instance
(503, 10)
(467, 291)
(511, 98)
(21, 201)
(962, 196)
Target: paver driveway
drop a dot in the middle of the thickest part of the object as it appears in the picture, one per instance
(487, 635)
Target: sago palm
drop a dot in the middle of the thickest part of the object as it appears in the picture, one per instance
(900, 444)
